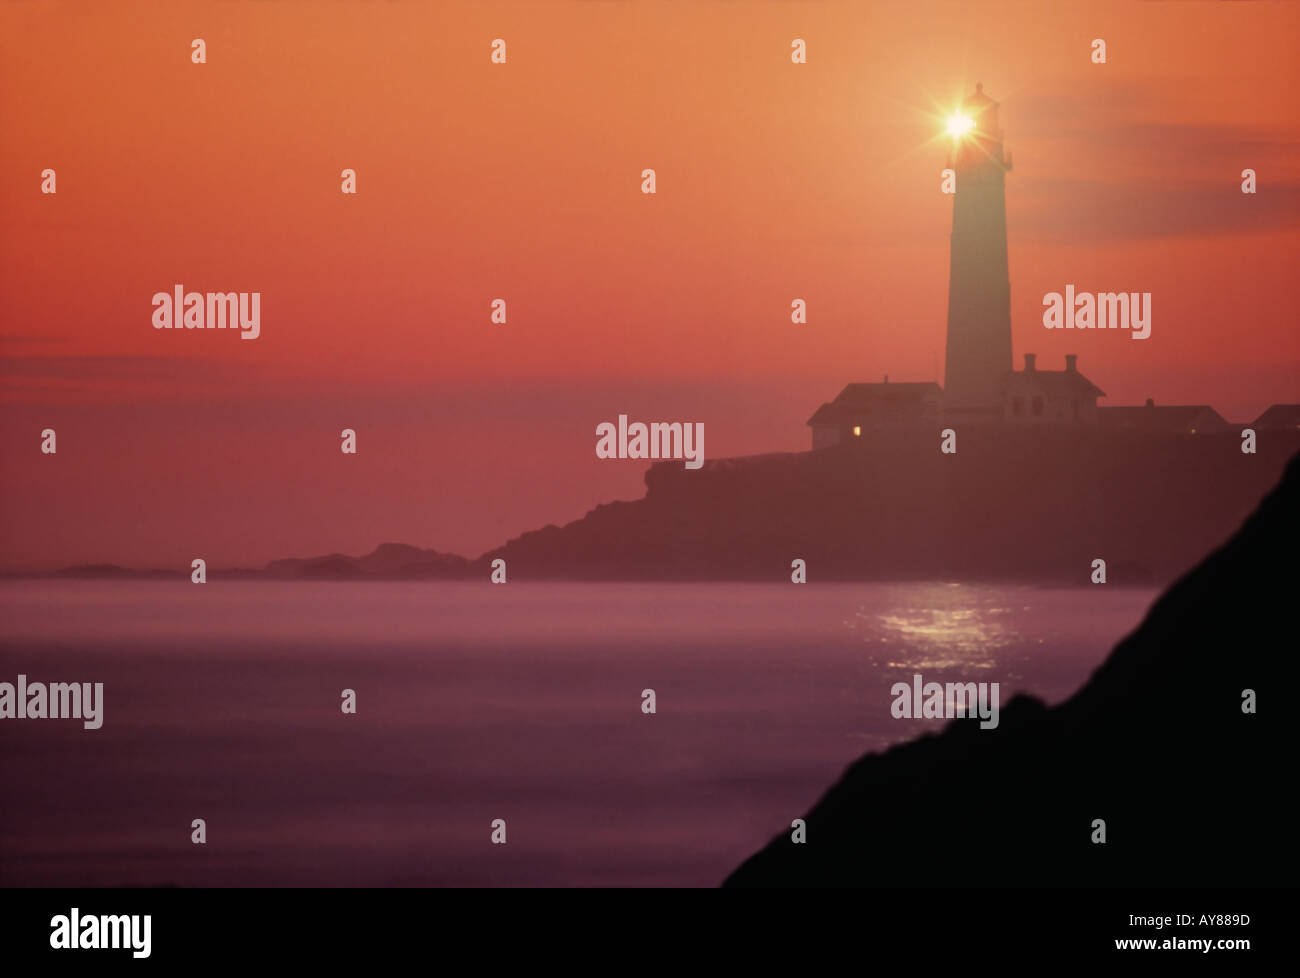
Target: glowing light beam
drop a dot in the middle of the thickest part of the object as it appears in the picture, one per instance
(959, 125)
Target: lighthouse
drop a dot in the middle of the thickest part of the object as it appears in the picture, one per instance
(978, 374)
(978, 356)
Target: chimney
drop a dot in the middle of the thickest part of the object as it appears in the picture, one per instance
(1070, 360)
(1151, 402)
(1029, 362)
(886, 378)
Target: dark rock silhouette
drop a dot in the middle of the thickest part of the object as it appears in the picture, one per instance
(1013, 504)
(1192, 790)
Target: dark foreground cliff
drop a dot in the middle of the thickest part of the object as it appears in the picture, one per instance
(1193, 791)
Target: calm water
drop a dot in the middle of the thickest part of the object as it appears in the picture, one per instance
(478, 702)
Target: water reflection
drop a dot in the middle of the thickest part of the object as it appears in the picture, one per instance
(954, 628)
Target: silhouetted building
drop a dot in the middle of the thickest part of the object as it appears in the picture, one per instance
(978, 354)
(863, 407)
(1033, 396)
(1279, 416)
(1169, 419)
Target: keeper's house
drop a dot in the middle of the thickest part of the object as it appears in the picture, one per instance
(864, 407)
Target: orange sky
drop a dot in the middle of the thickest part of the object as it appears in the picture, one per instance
(522, 181)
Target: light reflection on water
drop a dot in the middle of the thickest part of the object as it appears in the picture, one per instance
(943, 627)
(942, 638)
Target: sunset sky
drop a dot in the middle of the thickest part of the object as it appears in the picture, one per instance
(522, 181)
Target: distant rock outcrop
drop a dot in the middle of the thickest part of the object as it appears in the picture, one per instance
(1193, 791)
(110, 572)
(388, 561)
(97, 571)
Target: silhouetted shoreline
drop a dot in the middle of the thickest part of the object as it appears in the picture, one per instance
(1013, 505)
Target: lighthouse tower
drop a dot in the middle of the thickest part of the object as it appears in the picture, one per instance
(979, 289)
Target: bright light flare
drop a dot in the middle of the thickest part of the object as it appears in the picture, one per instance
(959, 125)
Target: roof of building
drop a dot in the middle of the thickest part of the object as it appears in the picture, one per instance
(828, 413)
(1057, 383)
(875, 393)
(1279, 416)
(1162, 417)
(857, 397)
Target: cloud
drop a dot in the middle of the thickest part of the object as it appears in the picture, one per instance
(126, 368)
(1095, 210)
(38, 379)
(1109, 164)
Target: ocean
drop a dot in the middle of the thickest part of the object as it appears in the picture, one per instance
(477, 702)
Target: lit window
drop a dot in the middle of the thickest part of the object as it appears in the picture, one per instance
(857, 431)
